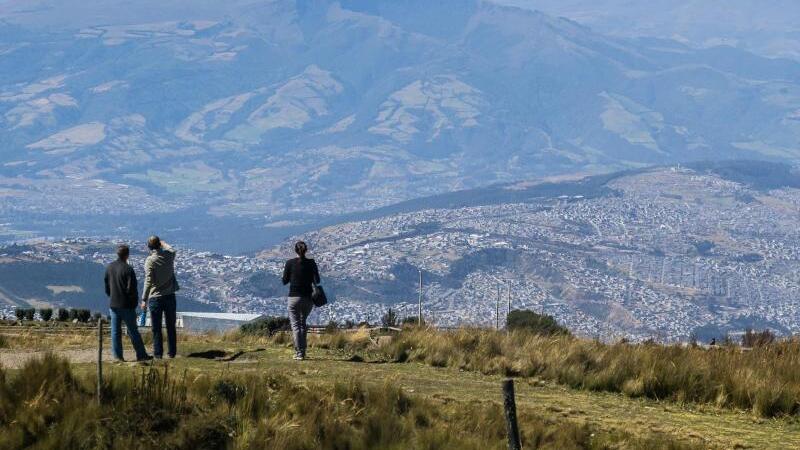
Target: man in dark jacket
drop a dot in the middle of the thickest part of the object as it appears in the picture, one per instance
(121, 287)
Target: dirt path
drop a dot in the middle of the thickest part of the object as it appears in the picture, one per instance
(11, 359)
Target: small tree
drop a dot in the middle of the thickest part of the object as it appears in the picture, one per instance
(30, 313)
(20, 313)
(389, 319)
(63, 315)
(73, 314)
(46, 314)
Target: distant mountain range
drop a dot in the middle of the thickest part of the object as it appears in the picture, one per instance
(282, 112)
(765, 28)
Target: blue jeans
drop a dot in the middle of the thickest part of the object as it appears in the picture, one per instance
(127, 315)
(163, 306)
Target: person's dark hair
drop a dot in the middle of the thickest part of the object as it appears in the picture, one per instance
(123, 251)
(301, 248)
(154, 243)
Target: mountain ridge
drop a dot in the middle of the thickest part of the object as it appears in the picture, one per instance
(304, 110)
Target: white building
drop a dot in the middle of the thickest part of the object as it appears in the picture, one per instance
(204, 321)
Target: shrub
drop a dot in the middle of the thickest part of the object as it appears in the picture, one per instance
(412, 321)
(332, 327)
(389, 319)
(757, 339)
(79, 314)
(97, 316)
(63, 315)
(46, 314)
(207, 432)
(228, 391)
(266, 326)
(83, 315)
(30, 313)
(535, 323)
(20, 313)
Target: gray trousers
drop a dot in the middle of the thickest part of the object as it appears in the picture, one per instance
(299, 309)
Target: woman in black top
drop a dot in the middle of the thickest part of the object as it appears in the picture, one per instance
(300, 274)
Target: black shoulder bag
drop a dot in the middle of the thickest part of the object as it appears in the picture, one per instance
(318, 296)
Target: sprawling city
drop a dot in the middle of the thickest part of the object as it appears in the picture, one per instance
(668, 254)
(400, 224)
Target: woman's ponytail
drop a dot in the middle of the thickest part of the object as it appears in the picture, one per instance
(301, 248)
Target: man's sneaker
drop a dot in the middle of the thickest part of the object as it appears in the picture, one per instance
(144, 358)
(298, 358)
(118, 360)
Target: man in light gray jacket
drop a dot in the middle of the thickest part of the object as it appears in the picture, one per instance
(160, 286)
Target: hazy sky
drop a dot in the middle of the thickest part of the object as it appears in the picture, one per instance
(770, 28)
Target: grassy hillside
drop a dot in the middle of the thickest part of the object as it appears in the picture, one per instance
(764, 380)
(248, 393)
(47, 405)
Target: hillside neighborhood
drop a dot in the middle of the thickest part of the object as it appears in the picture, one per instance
(671, 254)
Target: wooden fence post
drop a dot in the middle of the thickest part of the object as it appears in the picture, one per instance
(99, 360)
(510, 406)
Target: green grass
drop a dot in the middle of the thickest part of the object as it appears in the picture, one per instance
(204, 397)
(47, 405)
(765, 380)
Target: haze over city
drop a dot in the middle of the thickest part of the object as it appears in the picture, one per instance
(443, 138)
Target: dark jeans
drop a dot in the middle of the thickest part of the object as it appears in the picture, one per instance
(163, 306)
(128, 316)
(299, 309)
